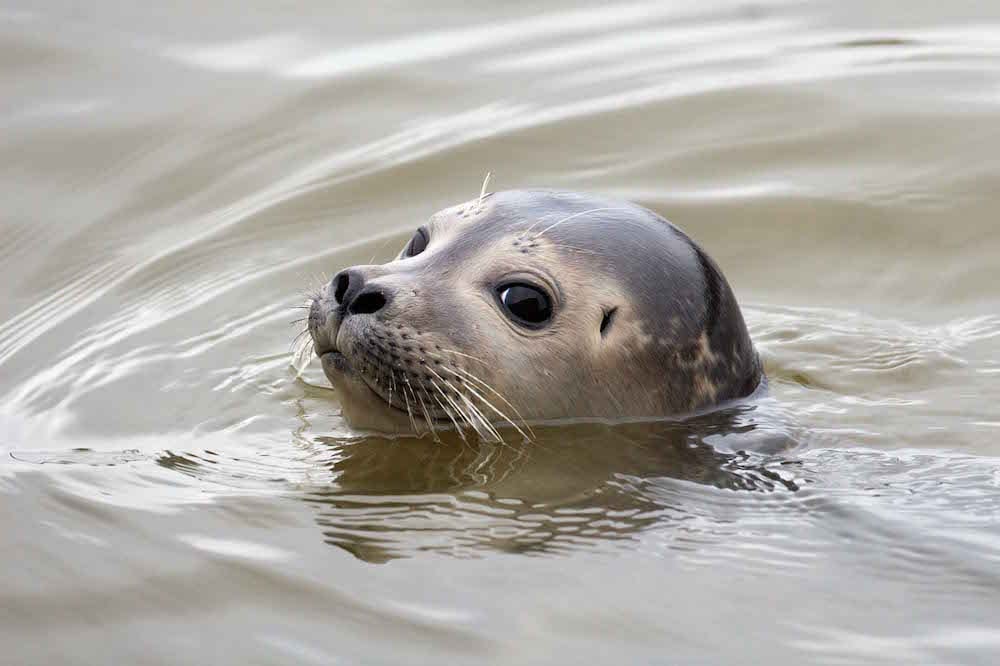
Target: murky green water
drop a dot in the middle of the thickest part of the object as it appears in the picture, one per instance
(175, 178)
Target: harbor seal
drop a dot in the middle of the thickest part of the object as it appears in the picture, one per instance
(533, 305)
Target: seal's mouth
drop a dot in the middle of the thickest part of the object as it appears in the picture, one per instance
(416, 407)
(335, 359)
(332, 358)
(396, 369)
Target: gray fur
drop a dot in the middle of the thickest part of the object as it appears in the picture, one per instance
(677, 341)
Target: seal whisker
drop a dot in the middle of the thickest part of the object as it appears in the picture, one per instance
(575, 215)
(430, 413)
(460, 372)
(298, 337)
(570, 248)
(314, 291)
(493, 407)
(482, 419)
(464, 413)
(486, 183)
(448, 398)
(534, 224)
(461, 432)
(456, 370)
(471, 409)
(473, 422)
(427, 415)
(451, 416)
(382, 368)
(409, 410)
(443, 408)
(475, 410)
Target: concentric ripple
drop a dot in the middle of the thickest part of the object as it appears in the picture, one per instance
(176, 181)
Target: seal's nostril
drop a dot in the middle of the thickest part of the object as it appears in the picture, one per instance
(354, 295)
(367, 303)
(343, 282)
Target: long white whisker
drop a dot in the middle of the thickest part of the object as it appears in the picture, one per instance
(392, 383)
(475, 410)
(409, 410)
(427, 415)
(458, 353)
(464, 413)
(493, 431)
(448, 412)
(450, 401)
(570, 248)
(486, 183)
(494, 408)
(575, 215)
(298, 337)
(482, 419)
(471, 408)
(458, 372)
(541, 219)
(458, 427)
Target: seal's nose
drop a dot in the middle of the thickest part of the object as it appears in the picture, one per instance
(355, 296)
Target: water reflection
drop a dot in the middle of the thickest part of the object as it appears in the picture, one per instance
(576, 486)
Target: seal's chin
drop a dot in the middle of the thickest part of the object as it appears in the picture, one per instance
(335, 361)
(342, 375)
(362, 406)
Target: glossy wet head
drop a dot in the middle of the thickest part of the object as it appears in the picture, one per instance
(533, 305)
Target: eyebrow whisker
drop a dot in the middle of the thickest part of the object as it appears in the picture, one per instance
(575, 215)
(486, 183)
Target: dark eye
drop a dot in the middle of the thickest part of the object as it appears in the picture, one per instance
(524, 304)
(417, 244)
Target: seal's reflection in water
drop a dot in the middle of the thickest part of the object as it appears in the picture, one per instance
(575, 486)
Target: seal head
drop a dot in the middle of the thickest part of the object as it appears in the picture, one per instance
(533, 305)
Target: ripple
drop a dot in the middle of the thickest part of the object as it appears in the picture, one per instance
(169, 471)
(282, 54)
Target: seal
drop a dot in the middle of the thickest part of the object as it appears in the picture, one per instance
(533, 305)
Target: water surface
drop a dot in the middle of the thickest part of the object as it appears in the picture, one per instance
(175, 179)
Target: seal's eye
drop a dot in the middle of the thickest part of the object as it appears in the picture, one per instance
(417, 244)
(525, 304)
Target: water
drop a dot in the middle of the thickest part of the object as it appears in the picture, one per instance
(175, 179)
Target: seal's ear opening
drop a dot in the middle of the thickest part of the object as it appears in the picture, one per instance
(609, 316)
